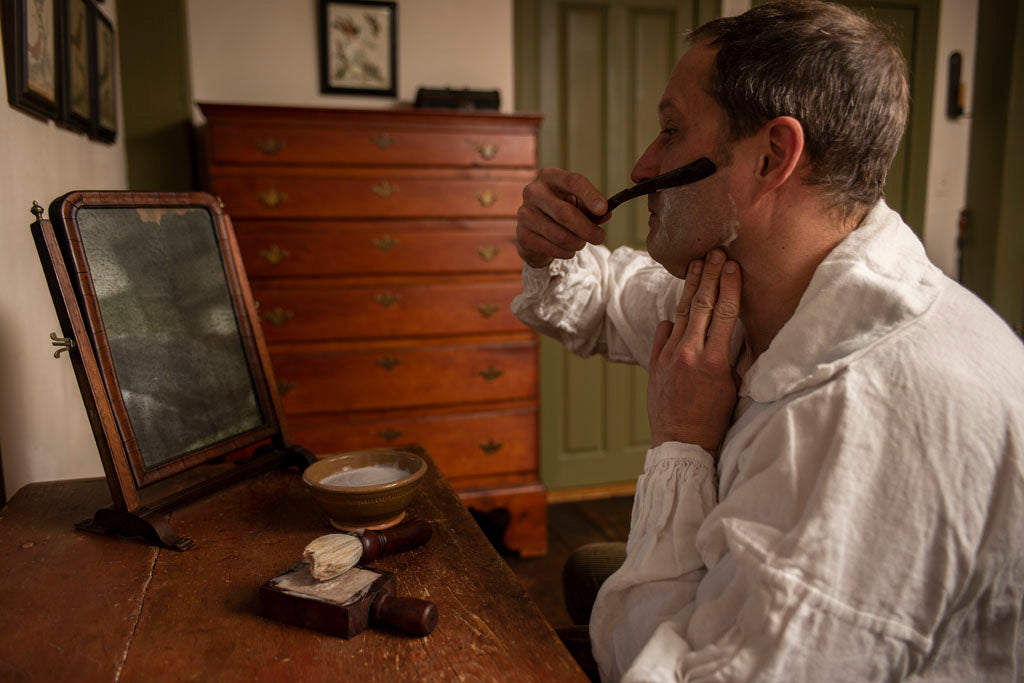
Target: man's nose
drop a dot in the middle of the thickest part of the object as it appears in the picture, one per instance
(647, 166)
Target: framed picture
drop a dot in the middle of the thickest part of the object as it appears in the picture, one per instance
(358, 41)
(104, 78)
(75, 53)
(30, 56)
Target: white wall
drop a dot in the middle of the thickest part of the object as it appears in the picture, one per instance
(267, 51)
(44, 431)
(950, 143)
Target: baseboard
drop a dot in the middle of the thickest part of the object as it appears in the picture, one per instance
(625, 488)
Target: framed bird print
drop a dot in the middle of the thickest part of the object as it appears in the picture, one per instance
(358, 43)
(30, 56)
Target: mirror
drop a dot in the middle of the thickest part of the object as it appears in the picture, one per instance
(175, 346)
(172, 365)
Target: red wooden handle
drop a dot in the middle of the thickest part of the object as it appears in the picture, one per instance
(409, 615)
(405, 536)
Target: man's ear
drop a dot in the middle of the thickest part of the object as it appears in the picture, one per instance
(782, 146)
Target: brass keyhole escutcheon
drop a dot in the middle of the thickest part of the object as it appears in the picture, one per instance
(383, 140)
(487, 252)
(64, 344)
(491, 446)
(487, 310)
(385, 243)
(390, 434)
(388, 362)
(270, 146)
(385, 299)
(490, 374)
(278, 316)
(274, 254)
(272, 198)
(486, 198)
(384, 189)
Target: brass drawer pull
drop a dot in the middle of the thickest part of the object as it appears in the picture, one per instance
(278, 316)
(272, 197)
(487, 150)
(384, 189)
(486, 198)
(64, 344)
(385, 299)
(385, 243)
(390, 434)
(491, 446)
(284, 386)
(491, 374)
(383, 140)
(270, 146)
(487, 252)
(274, 254)
(487, 310)
(388, 362)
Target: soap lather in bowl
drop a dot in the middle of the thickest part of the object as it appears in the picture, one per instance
(367, 489)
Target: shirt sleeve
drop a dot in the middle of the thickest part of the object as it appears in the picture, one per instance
(600, 302)
(663, 567)
(823, 561)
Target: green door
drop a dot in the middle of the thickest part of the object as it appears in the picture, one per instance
(596, 69)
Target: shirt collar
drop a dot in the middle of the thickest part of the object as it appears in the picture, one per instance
(874, 282)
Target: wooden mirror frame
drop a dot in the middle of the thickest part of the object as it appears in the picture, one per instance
(84, 336)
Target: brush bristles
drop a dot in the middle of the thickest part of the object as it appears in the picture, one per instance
(331, 555)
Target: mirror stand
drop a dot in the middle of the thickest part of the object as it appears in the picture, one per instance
(153, 522)
(158, 320)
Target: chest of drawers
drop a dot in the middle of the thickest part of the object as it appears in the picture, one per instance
(380, 249)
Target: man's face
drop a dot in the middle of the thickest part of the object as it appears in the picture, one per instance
(687, 222)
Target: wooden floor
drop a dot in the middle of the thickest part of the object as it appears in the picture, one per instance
(570, 525)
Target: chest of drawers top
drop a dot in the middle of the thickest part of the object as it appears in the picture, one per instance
(401, 137)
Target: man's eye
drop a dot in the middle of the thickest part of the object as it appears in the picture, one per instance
(668, 131)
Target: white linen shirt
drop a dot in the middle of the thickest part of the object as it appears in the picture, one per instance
(867, 522)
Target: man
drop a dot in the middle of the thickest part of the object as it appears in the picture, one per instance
(835, 488)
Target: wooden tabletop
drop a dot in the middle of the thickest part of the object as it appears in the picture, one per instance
(83, 607)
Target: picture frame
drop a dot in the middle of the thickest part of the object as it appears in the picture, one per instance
(104, 78)
(358, 47)
(76, 37)
(31, 56)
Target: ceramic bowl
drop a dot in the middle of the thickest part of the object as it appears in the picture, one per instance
(365, 489)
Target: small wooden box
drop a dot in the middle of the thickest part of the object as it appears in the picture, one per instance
(345, 605)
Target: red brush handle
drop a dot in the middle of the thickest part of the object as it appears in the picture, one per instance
(405, 536)
(409, 615)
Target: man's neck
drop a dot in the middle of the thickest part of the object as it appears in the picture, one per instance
(783, 261)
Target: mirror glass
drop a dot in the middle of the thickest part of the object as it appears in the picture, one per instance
(174, 338)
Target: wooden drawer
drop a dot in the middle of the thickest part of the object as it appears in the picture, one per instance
(272, 248)
(311, 311)
(377, 145)
(312, 381)
(358, 193)
(462, 445)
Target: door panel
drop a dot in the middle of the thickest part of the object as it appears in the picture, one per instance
(596, 69)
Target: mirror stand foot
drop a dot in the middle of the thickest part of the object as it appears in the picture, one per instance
(150, 525)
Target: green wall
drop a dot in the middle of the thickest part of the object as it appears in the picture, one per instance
(153, 44)
(993, 240)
